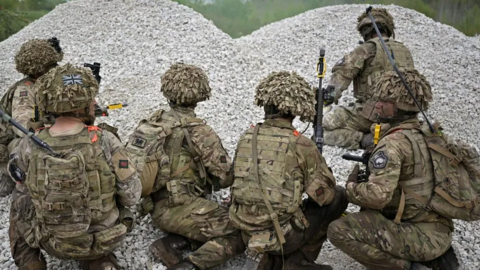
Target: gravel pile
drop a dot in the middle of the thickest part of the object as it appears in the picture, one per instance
(137, 40)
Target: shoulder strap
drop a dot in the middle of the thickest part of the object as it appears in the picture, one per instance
(196, 157)
(273, 215)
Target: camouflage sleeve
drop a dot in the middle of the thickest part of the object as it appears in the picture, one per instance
(214, 157)
(129, 187)
(347, 68)
(20, 154)
(319, 181)
(23, 105)
(385, 167)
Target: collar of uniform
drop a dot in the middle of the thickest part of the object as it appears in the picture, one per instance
(184, 111)
(412, 123)
(278, 122)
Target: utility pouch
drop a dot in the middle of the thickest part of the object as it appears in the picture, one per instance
(267, 240)
(368, 111)
(73, 247)
(176, 195)
(109, 239)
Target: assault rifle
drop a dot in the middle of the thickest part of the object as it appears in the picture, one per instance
(103, 111)
(318, 121)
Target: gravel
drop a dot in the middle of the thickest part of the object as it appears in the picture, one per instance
(137, 40)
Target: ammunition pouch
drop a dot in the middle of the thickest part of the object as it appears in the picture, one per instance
(265, 241)
(181, 192)
(109, 239)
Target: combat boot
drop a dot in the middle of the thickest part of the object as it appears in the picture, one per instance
(169, 249)
(108, 262)
(183, 265)
(6, 185)
(448, 261)
(298, 261)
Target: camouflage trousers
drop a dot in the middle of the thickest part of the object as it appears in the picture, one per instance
(379, 243)
(204, 221)
(344, 126)
(21, 212)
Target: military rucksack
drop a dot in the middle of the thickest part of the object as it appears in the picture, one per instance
(456, 189)
(70, 192)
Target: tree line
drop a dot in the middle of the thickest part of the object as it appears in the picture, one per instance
(241, 17)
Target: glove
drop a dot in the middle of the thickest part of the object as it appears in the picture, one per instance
(328, 95)
(353, 177)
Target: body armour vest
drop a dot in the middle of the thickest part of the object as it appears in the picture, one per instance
(72, 192)
(279, 171)
(363, 84)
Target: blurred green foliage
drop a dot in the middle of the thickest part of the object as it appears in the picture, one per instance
(16, 14)
(241, 17)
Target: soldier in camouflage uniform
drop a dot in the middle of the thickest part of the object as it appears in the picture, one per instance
(349, 127)
(267, 198)
(34, 59)
(72, 204)
(396, 230)
(193, 159)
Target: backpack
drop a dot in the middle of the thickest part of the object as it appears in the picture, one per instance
(456, 169)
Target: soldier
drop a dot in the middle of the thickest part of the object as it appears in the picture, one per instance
(274, 166)
(34, 59)
(179, 158)
(349, 127)
(397, 229)
(70, 204)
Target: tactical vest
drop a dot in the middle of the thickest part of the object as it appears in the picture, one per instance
(70, 193)
(364, 83)
(283, 187)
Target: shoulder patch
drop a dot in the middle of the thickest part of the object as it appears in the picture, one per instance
(139, 142)
(223, 159)
(123, 164)
(379, 160)
(24, 93)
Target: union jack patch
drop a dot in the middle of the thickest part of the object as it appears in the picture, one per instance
(72, 79)
(123, 164)
(24, 93)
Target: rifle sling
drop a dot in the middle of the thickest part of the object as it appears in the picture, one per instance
(273, 215)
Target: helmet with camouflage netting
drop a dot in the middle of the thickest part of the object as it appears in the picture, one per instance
(383, 19)
(289, 93)
(37, 55)
(389, 87)
(65, 89)
(185, 84)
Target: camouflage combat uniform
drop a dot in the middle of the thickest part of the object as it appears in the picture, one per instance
(190, 159)
(345, 126)
(112, 183)
(33, 59)
(387, 235)
(268, 207)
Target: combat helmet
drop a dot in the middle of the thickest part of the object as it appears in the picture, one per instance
(185, 84)
(389, 87)
(289, 93)
(66, 88)
(383, 19)
(36, 55)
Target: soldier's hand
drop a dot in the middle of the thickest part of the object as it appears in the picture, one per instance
(353, 177)
(328, 95)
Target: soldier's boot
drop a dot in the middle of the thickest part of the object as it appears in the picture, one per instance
(6, 185)
(183, 265)
(448, 261)
(297, 261)
(108, 262)
(34, 264)
(169, 249)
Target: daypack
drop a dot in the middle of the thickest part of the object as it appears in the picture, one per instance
(456, 168)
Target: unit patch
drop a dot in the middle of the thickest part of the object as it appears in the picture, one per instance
(139, 142)
(123, 164)
(72, 79)
(223, 159)
(24, 93)
(319, 191)
(379, 160)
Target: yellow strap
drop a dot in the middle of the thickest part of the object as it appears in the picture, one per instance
(273, 215)
(401, 208)
(376, 135)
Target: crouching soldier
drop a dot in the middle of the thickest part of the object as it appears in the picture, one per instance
(69, 201)
(274, 166)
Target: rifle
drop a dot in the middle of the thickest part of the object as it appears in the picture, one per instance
(363, 174)
(103, 111)
(95, 67)
(318, 128)
(7, 118)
